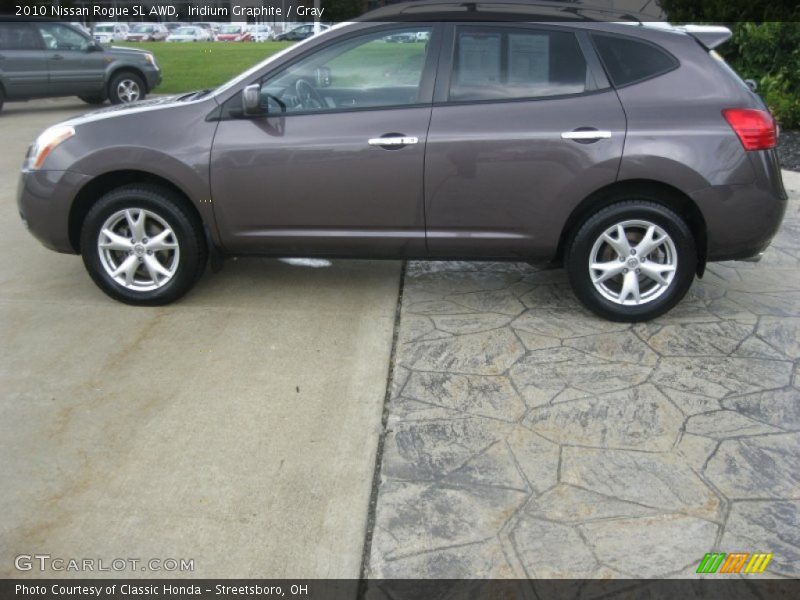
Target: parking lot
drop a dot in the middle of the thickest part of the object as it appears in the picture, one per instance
(525, 437)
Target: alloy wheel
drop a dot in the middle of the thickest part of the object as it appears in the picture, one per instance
(138, 249)
(633, 262)
(128, 90)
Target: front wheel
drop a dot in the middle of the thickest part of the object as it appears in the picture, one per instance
(125, 88)
(141, 245)
(632, 261)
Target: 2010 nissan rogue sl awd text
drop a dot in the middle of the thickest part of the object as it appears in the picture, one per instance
(629, 153)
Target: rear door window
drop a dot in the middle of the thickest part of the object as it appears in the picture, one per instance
(500, 63)
(18, 36)
(627, 60)
(60, 37)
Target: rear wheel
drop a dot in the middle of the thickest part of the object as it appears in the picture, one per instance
(126, 87)
(141, 246)
(632, 261)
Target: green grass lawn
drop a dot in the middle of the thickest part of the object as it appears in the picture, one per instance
(199, 65)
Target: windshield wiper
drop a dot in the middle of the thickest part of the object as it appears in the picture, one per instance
(194, 95)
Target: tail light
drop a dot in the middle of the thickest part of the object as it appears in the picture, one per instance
(756, 128)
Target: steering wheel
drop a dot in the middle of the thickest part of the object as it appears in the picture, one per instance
(308, 95)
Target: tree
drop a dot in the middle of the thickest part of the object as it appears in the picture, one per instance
(765, 46)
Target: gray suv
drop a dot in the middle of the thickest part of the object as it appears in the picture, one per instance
(41, 59)
(630, 154)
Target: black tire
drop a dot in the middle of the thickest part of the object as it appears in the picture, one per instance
(125, 77)
(580, 249)
(96, 99)
(187, 229)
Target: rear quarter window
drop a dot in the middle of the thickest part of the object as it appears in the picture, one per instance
(628, 61)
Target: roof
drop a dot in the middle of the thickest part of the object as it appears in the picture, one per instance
(513, 10)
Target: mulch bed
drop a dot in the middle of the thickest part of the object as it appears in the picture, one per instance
(789, 149)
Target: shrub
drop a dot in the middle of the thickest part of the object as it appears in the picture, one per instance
(765, 46)
(769, 53)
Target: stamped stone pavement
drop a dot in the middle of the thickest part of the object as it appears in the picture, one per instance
(528, 438)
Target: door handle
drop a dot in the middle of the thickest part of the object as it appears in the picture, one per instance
(393, 141)
(586, 135)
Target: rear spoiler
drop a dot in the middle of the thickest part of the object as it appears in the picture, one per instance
(710, 36)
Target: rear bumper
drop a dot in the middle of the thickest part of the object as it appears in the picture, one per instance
(44, 199)
(741, 220)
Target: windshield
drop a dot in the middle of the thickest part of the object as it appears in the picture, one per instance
(104, 28)
(185, 31)
(231, 29)
(142, 29)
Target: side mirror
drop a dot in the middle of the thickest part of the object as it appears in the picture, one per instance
(251, 101)
(751, 83)
(323, 77)
(94, 47)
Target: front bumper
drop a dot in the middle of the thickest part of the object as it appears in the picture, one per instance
(44, 199)
(153, 77)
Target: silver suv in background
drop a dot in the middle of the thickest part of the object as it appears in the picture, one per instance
(629, 154)
(41, 59)
(108, 33)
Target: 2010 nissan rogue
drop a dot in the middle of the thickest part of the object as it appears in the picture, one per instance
(629, 153)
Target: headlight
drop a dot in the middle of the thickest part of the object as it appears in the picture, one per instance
(151, 59)
(45, 144)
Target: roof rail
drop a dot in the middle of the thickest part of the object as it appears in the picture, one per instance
(472, 10)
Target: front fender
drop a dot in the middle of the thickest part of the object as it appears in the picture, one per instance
(191, 179)
(170, 141)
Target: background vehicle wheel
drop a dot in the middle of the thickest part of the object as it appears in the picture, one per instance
(142, 247)
(126, 87)
(93, 99)
(631, 261)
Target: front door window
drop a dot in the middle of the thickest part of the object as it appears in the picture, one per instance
(377, 70)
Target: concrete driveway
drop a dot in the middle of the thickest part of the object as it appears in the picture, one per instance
(237, 428)
(528, 438)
